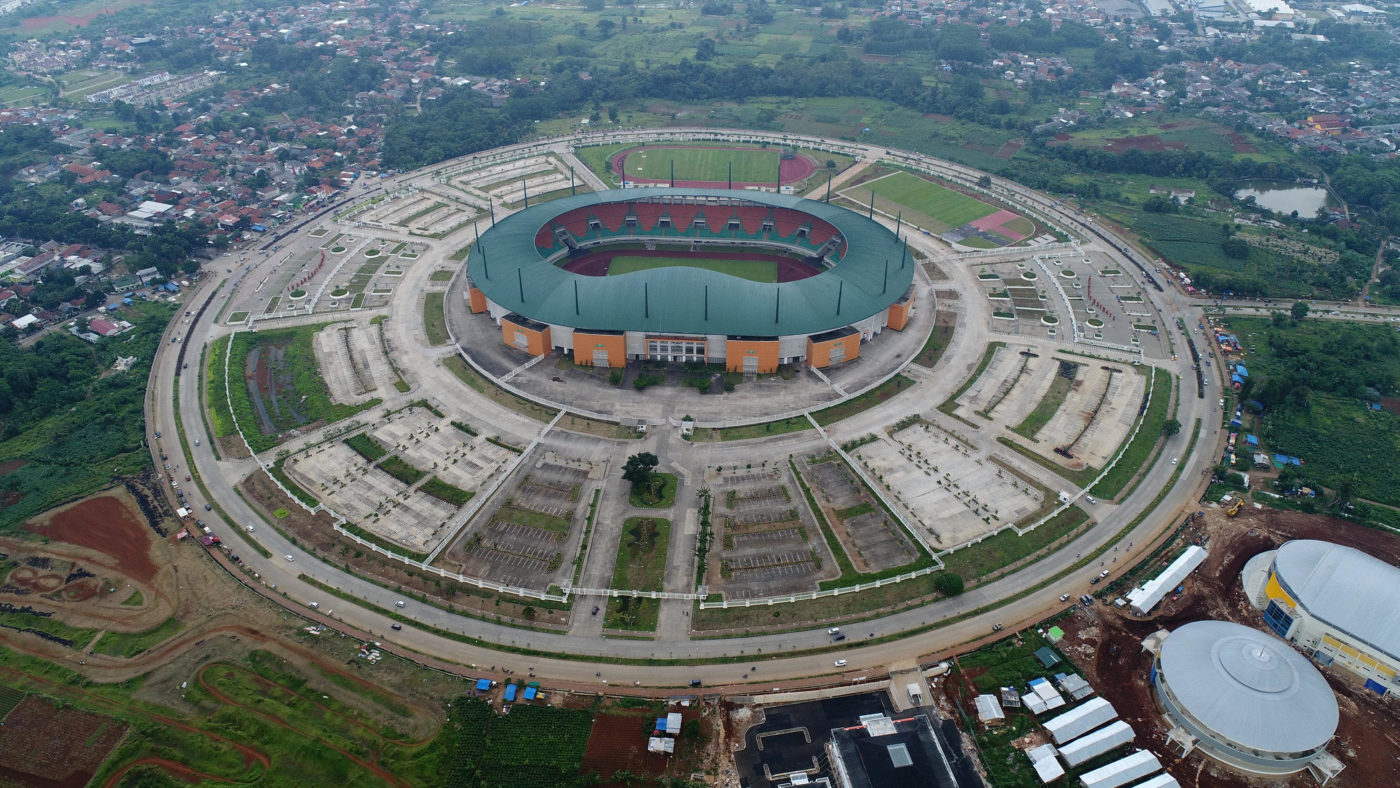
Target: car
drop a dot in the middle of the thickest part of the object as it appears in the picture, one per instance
(196, 441)
(840, 663)
(695, 682)
(250, 528)
(1103, 574)
(165, 456)
(315, 605)
(595, 610)
(1090, 499)
(1093, 581)
(838, 637)
(996, 627)
(1064, 597)
(398, 603)
(1174, 459)
(290, 557)
(187, 477)
(1086, 600)
(208, 507)
(834, 631)
(157, 433)
(396, 626)
(1222, 402)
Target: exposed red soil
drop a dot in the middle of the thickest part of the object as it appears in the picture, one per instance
(937, 117)
(177, 770)
(619, 743)
(41, 744)
(794, 170)
(1106, 643)
(1240, 143)
(598, 263)
(1391, 404)
(35, 580)
(107, 525)
(12, 465)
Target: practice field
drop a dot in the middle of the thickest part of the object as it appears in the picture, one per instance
(752, 270)
(703, 166)
(947, 206)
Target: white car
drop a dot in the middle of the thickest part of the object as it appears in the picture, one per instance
(398, 603)
(1174, 459)
(840, 663)
(834, 631)
(290, 557)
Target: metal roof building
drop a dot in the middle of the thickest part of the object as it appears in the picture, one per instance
(1105, 739)
(1122, 771)
(1080, 720)
(1334, 601)
(517, 273)
(1244, 697)
(1146, 597)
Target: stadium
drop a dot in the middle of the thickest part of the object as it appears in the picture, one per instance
(747, 279)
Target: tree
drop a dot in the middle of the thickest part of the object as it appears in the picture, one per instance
(1299, 310)
(985, 182)
(1235, 248)
(639, 467)
(948, 583)
(1171, 427)
(705, 50)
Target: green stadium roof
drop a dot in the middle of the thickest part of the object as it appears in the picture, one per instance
(674, 299)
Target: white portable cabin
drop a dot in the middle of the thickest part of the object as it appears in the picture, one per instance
(1043, 761)
(1080, 720)
(1086, 748)
(1146, 597)
(1122, 771)
(1162, 780)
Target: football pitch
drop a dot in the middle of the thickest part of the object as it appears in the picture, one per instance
(703, 164)
(947, 206)
(753, 270)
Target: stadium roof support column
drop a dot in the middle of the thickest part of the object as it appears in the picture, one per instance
(485, 264)
(883, 289)
(840, 291)
(707, 302)
(576, 312)
(777, 305)
(491, 204)
(525, 187)
(646, 300)
(904, 256)
(520, 280)
(731, 174)
(871, 213)
(673, 173)
(828, 186)
(573, 189)
(898, 222)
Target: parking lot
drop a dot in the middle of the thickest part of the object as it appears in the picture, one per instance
(766, 544)
(873, 540)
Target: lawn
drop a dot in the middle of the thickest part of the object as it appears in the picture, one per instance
(468, 375)
(1049, 404)
(640, 566)
(401, 470)
(662, 494)
(129, 644)
(864, 402)
(1006, 547)
(434, 321)
(947, 206)
(448, 493)
(751, 165)
(765, 271)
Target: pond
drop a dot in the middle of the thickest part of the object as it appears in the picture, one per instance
(1286, 198)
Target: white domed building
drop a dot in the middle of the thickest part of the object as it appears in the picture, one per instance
(1244, 698)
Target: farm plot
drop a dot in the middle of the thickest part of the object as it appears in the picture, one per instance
(48, 744)
(370, 497)
(871, 538)
(1095, 418)
(430, 442)
(1008, 388)
(766, 545)
(955, 493)
(523, 539)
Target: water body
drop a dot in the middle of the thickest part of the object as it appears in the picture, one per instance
(1286, 198)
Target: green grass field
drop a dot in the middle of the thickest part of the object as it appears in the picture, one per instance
(752, 270)
(952, 208)
(704, 164)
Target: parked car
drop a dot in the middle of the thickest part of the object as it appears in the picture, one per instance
(840, 663)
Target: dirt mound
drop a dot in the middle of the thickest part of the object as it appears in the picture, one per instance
(105, 524)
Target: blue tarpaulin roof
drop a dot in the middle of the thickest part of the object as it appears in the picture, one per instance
(483, 684)
(1241, 371)
(530, 693)
(1284, 459)
(1252, 440)
(510, 691)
